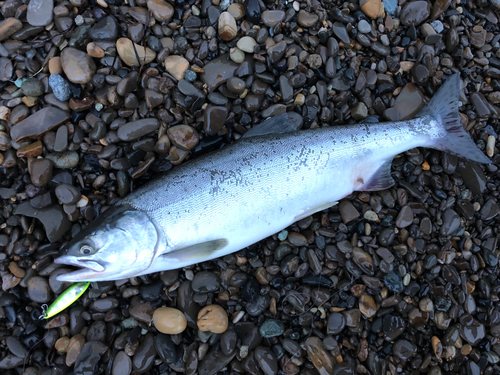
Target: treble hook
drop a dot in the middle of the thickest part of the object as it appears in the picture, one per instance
(44, 311)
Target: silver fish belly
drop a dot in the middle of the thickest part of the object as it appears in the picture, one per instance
(225, 201)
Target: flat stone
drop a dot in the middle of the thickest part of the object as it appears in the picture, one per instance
(38, 124)
(218, 71)
(272, 17)
(39, 12)
(8, 27)
(126, 50)
(60, 87)
(214, 119)
(372, 8)
(137, 129)
(176, 66)
(162, 10)
(77, 65)
(348, 211)
(54, 219)
(414, 13)
(107, 28)
(306, 19)
(41, 171)
(246, 44)
(183, 136)
(408, 103)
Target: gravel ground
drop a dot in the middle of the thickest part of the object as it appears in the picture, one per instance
(99, 97)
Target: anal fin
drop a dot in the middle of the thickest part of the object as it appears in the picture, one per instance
(381, 179)
(312, 210)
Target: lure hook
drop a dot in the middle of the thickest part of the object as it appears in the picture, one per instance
(44, 311)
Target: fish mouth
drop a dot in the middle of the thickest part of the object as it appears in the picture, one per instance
(89, 270)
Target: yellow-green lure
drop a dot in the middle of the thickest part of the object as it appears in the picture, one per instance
(67, 297)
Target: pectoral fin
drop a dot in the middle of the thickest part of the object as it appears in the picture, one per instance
(312, 210)
(188, 255)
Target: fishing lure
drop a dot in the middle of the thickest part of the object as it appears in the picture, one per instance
(62, 302)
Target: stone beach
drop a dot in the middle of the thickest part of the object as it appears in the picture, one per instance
(99, 97)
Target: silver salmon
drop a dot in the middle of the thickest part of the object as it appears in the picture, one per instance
(273, 176)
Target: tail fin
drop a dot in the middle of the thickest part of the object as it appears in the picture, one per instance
(444, 107)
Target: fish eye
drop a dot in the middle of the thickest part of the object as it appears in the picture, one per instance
(86, 250)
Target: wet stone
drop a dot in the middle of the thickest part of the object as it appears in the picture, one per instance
(39, 12)
(307, 19)
(408, 103)
(60, 87)
(67, 194)
(404, 350)
(137, 129)
(266, 360)
(393, 327)
(272, 328)
(145, 355)
(272, 17)
(122, 364)
(336, 323)
(213, 362)
(107, 28)
(320, 358)
(367, 306)
(252, 11)
(8, 27)
(340, 32)
(32, 87)
(405, 217)
(39, 289)
(41, 171)
(393, 282)
(205, 282)
(165, 348)
(214, 119)
(348, 211)
(414, 13)
(77, 65)
(451, 223)
(473, 333)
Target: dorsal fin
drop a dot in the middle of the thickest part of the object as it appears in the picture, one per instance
(381, 179)
(282, 123)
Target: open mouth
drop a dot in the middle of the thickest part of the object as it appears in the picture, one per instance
(88, 269)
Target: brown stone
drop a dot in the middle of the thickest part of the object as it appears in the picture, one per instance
(176, 66)
(95, 51)
(125, 48)
(183, 136)
(30, 151)
(77, 65)
(372, 8)
(38, 124)
(8, 27)
(227, 26)
(162, 11)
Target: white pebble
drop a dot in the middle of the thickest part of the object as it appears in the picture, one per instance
(490, 146)
(371, 215)
(79, 20)
(237, 55)
(296, 6)
(246, 44)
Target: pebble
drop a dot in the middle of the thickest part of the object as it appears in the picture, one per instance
(266, 360)
(213, 318)
(32, 87)
(41, 171)
(490, 146)
(272, 328)
(214, 118)
(408, 103)
(107, 28)
(65, 160)
(162, 10)
(169, 320)
(306, 19)
(348, 211)
(336, 323)
(127, 52)
(364, 27)
(372, 8)
(405, 217)
(183, 136)
(359, 111)
(451, 223)
(367, 306)
(122, 364)
(227, 26)
(137, 129)
(77, 65)
(8, 27)
(39, 290)
(60, 87)
(414, 13)
(272, 17)
(404, 350)
(176, 66)
(246, 44)
(144, 356)
(67, 194)
(320, 358)
(205, 282)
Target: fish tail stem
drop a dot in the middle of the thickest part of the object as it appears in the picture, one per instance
(453, 138)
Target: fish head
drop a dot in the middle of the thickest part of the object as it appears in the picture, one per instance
(119, 244)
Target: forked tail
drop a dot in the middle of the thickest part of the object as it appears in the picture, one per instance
(444, 107)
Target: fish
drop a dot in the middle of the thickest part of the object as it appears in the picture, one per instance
(273, 176)
(66, 299)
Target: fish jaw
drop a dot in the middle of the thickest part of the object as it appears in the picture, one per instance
(89, 270)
